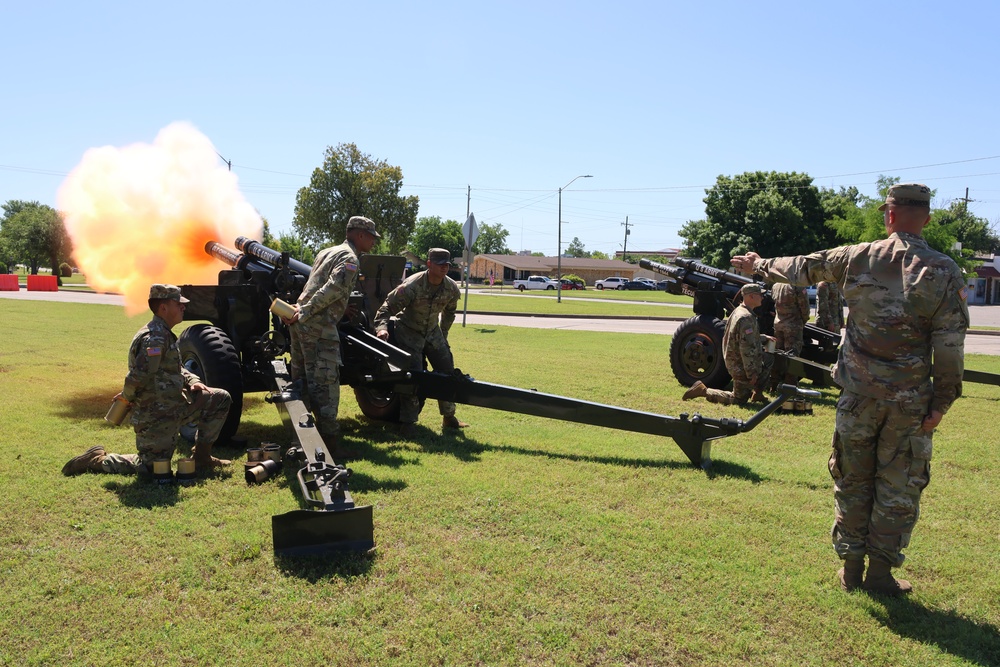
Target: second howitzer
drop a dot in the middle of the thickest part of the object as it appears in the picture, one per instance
(243, 348)
(696, 351)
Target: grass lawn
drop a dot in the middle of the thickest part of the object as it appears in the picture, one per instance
(520, 541)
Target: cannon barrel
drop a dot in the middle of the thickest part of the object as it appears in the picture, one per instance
(718, 274)
(237, 260)
(272, 257)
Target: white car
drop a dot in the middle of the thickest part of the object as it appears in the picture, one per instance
(614, 282)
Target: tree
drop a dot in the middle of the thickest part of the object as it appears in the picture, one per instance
(772, 213)
(295, 247)
(576, 249)
(352, 183)
(975, 234)
(431, 232)
(34, 233)
(597, 254)
(492, 240)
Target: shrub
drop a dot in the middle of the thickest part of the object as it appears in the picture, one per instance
(65, 270)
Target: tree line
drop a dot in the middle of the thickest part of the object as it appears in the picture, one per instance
(780, 214)
(772, 213)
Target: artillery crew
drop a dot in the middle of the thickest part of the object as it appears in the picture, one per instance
(164, 396)
(829, 309)
(315, 341)
(743, 353)
(900, 368)
(422, 310)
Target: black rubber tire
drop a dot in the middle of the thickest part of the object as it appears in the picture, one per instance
(696, 352)
(600, 287)
(207, 352)
(378, 405)
(520, 287)
(620, 287)
(552, 287)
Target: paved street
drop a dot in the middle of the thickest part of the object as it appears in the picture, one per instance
(975, 343)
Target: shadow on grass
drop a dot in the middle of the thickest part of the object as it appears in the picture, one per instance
(86, 404)
(143, 493)
(978, 643)
(317, 569)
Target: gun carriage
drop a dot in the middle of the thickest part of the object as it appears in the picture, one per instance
(242, 349)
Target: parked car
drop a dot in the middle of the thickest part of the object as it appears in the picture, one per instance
(614, 282)
(580, 284)
(663, 284)
(637, 285)
(569, 284)
(648, 281)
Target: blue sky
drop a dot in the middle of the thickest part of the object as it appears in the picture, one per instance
(654, 99)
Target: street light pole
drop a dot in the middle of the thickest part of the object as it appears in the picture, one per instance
(559, 249)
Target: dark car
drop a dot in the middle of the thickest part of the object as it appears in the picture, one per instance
(663, 284)
(568, 284)
(638, 284)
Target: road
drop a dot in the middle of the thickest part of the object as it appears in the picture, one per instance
(977, 342)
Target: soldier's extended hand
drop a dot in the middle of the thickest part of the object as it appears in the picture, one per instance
(932, 420)
(744, 263)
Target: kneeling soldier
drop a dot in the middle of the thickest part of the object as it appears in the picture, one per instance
(164, 396)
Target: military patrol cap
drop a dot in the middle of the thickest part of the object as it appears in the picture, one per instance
(169, 292)
(438, 256)
(908, 194)
(751, 288)
(361, 222)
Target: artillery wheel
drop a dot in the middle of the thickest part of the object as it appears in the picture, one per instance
(207, 352)
(696, 352)
(378, 404)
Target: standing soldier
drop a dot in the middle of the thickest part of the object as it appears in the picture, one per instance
(422, 309)
(829, 309)
(315, 341)
(743, 354)
(791, 311)
(164, 396)
(899, 369)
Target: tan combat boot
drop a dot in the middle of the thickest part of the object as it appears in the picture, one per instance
(89, 461)
(204, 461)
(451, 421)
(879, 580)
(852, 574)
(697, 390)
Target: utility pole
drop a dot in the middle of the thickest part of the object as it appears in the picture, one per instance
(966, 200)
(625, 247)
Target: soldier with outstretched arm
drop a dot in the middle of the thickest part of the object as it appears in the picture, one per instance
(899, 369)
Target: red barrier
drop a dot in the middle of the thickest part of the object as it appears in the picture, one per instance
(43, 284)
(8, 282)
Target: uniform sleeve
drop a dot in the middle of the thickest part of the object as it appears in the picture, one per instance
(750, 348)
(397, 300)
(948, 328)
(448, 314)
(805, 270)
(145, 355)
(338, 286)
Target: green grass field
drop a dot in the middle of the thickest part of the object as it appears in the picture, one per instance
(520, 541)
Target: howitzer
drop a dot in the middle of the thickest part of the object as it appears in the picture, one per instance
(243, 347)
(696, 348)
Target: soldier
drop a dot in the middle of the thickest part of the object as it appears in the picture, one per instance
(422, 309)
(829, 309)
(743, 353)
(164, 396)
(899, 369)
(315, 342)
(791, 311)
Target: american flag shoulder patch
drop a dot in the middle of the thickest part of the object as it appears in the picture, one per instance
(351, 267)
(748, 331)
(154, 351)
(963, 293)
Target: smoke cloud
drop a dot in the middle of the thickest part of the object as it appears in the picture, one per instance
(142, 214)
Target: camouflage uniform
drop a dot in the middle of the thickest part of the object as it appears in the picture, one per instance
(315, 342)
(902, 357)
(423, 315)
(791, 311)
(744, 357)
(829, 309)
(159, 387)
